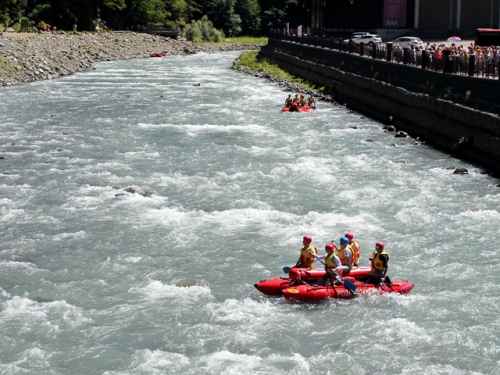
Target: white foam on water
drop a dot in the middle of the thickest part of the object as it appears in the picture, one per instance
(25, 267)
(481, 215)
(138, 200)
(359, 162)
(132, 259)
(30, 360)
(283, 227)
(50, 314)
(16, 215)
(96, 197)
(65, 236)
(366, 197)
(181, 180)
(415, 216)
(156, 362)
(403, 330)
(141, 155)
(257, 151)
(249, 322)
(437, 369)
(316, 169)
(4, 293)
(194, 130)
(156, 290)
(228, 363)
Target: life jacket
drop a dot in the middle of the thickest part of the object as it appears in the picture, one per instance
(344, 256)
(294, 106)
(331, 261)
(355, 251)
(307, 256)
(377, 262)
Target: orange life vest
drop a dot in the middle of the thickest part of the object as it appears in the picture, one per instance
(356, 252)
(307, 256)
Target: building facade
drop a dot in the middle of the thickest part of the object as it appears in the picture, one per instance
(426, 17)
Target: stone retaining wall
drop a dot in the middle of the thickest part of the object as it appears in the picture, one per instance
(463, 131)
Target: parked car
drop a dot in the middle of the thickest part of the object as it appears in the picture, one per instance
(408, 42)
(364, 37)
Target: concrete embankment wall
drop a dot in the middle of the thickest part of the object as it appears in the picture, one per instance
(463, 131)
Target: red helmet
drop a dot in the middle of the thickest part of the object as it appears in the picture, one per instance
(307, 239)
(379, 246)
(349, 236)
(330, 246)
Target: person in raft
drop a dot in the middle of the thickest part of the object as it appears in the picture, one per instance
(379, 261)
(333, 264)
(308, 254)
(288, 101)
(302, 100)
(355, 248)
(345, 255)
(311, 102)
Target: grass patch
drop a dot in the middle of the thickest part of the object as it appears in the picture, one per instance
(250, 61)
(6, 67)
(250, 40)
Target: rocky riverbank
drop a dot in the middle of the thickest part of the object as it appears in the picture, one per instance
(27, 57)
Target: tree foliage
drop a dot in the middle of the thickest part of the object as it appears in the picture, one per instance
(234, 17)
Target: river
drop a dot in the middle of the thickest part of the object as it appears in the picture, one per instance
(98, 280)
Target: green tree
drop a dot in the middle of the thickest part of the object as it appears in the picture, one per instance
(114, 5)
(178, 12)
(11, 11)
(249, 11)
(222, 14)
(143, 12)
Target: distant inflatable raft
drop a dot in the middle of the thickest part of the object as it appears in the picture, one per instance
(304, 108)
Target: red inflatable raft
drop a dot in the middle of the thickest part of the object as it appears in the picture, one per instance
(274, 287)
(305, 108)
(316, 293)
(158, 54)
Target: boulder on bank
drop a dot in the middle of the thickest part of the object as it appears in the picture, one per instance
(461, 171)
(401, 134)
(138, 190)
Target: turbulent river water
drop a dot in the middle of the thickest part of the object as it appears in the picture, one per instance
(95, 279)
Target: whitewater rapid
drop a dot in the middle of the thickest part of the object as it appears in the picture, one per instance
(140, 202)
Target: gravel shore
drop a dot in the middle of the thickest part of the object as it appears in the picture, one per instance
(27, 57)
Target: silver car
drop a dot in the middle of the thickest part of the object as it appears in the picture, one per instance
(364, 37)
(408, 42)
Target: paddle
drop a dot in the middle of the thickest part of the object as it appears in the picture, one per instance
(388, 281)
(286, 269)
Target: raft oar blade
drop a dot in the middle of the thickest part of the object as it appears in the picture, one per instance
(388, 281)
(349, 285)
(286, 269)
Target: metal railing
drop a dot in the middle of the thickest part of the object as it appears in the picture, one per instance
(479, 62)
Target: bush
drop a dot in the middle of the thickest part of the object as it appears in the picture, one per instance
(43, 26)
(202, 30)
(2, 27)
(25, 25)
